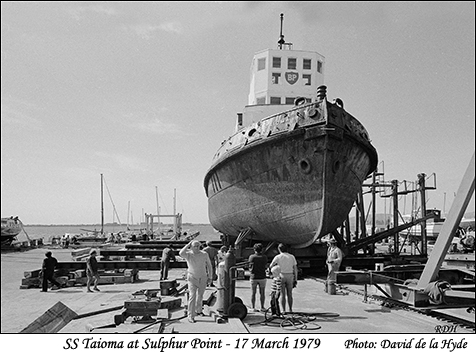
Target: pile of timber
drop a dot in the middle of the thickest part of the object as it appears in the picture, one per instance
(70, 278)
(142, 251)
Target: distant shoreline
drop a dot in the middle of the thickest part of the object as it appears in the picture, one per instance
(106, 224)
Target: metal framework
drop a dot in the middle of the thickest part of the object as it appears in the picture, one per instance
(443, 242)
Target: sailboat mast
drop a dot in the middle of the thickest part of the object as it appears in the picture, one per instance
(102, 208)
(128, 212)
(175, 198)
(158, 208)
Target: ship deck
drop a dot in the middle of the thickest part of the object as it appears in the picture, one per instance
(315, 310)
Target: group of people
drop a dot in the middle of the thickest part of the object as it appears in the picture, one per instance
(202, 271)
(50, 263)
(284, 274)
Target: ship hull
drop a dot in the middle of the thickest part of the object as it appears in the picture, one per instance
(11, 227)
(293, 185)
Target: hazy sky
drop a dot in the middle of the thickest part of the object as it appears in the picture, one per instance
(144, 92)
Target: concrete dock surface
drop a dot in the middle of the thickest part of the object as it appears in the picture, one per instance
(314, 310)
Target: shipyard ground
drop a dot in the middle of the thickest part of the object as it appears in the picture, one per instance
(317, 311)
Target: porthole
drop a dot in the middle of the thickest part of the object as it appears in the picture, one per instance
(336, 166)
(305, 166)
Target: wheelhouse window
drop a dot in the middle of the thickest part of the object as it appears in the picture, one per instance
(261, 100)
(275, 78)
(292, 63)
(290, 100)
(306, 63)
(261, 63)
(307, 79)
(276, 62)
(319, 66)
(275, 100)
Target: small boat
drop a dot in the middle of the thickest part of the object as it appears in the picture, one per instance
(294, 166)
(11, 227)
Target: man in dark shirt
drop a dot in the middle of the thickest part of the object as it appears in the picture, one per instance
(48, 269)
(168, 255)
(258, 263)
(92, 271)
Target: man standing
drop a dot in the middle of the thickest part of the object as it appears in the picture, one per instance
(213, 255)
(92, 271)
(258, 263)
(289, 274)
(334, 259)
(48, 269)
(168, 255)
(199, 274)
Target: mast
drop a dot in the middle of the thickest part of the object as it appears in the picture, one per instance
(102, 208)
(128, 212)
(175, 197)
(281, 36)
(158, 208)
(281, 43)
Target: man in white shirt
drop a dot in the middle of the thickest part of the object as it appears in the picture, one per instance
(199, 275)
(289, 274)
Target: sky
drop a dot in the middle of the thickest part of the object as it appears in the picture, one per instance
(145, 92)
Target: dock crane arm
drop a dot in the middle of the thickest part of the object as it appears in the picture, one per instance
(443, 242)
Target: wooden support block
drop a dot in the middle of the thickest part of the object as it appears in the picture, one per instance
(31, 282)
(169, 302)
(167, 284)
(163, 314)
(143, 304)
(80, 273)
(62, 272)
(32, 273)
(81, 281)
(142, 308)
(63, 280)
(105, 280)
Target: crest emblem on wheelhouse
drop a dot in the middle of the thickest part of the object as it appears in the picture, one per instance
(291, 77)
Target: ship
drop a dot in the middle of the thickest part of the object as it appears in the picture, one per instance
(292, 170)
(11, 227)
